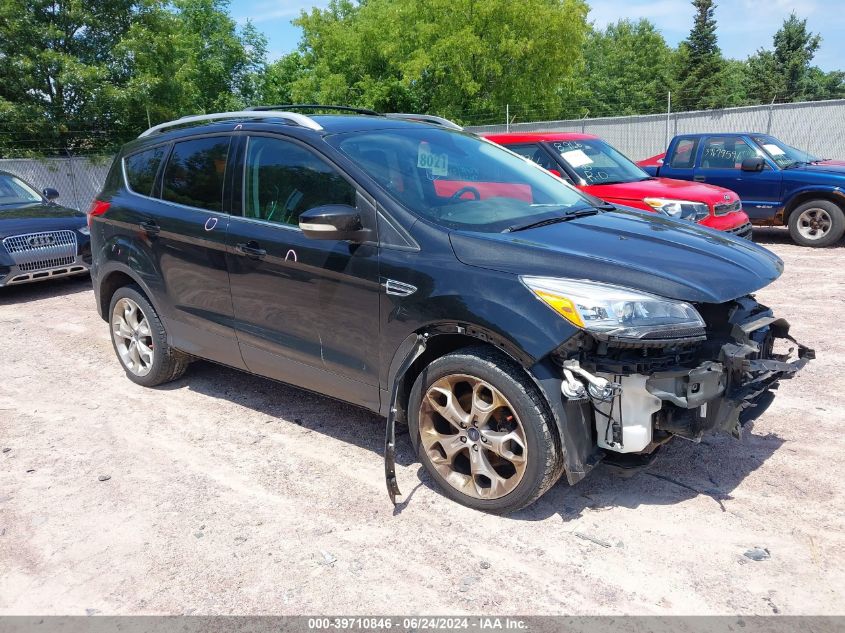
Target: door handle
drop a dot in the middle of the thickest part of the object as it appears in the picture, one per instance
(699, 178)
(150, 227)
(251, 249)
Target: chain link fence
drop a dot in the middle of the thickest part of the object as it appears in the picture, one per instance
(78, 179)
(815, 126)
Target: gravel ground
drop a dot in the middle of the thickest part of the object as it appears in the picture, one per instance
(224, 493)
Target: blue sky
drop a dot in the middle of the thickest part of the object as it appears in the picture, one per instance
(744, 25)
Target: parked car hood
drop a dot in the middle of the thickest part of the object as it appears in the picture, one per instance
(664, 188)
(31, 218)
(826, 167)
(630, 248)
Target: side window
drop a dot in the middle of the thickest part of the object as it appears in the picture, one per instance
(535, 153)
(283, 179)
(684, 156)
(141, 169)
(194, 173)
(725, 152)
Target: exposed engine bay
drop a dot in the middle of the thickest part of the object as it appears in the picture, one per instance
(643, 393)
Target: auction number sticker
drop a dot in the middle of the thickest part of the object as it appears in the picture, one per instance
(437, 164)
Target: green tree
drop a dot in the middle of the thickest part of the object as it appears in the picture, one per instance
(700, 67)
(463, 59)
(785, 73)
(89, 74)
(627, 69)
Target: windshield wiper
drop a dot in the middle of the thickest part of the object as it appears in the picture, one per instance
(561, 218)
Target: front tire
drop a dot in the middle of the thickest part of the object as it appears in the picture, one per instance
(817, 223)
(483, 431)
(140, 341)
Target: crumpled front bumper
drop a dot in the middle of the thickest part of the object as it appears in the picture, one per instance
(726, 394)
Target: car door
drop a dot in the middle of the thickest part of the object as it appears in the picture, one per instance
(720, 164)
(183, 225)
(681, 159)
(306, 311)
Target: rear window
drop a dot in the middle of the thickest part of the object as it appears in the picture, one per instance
(141, 169)
(194, 173)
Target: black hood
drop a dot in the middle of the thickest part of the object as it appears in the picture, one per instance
(32, 218)
(634, 249)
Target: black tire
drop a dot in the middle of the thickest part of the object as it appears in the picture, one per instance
(168, 363)
(803, 214)
(543, 463)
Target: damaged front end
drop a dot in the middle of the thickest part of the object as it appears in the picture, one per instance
(716, 380)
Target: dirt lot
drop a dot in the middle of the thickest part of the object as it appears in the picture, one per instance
(229, 493)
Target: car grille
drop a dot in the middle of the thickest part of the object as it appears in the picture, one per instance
(728, 207)
(42, 251)
(743, 230)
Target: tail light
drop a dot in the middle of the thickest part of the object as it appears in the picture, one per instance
(98, 207)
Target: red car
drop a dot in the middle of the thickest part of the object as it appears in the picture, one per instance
(599, 169)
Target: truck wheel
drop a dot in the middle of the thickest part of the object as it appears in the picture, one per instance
(482, 431)
(140, 342)
(816, 223)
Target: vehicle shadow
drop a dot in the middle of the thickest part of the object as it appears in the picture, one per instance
(683, 470)
(59, 287)
(312, 411)
(775, 235)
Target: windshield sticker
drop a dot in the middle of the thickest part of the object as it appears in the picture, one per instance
(437, 164)
(576, 158)
(774, 150)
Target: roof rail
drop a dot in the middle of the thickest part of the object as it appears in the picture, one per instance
(314, 106)
(291, 117)
(424, 118)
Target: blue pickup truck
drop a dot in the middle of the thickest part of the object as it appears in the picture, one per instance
(778, 184)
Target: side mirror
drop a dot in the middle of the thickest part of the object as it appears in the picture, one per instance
(50, 194)
(333, 222)
(753, 163)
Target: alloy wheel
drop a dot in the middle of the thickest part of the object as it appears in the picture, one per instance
(132, 337)
(814, 223)
(473, 437)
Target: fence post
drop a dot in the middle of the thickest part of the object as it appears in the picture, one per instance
(507, 117)
(668, 117)
(771, 107)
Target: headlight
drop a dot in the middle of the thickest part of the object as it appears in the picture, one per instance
(84, 230)
(681, 209)
(615, 312)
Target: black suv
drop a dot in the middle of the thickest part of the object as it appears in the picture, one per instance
(521, 329)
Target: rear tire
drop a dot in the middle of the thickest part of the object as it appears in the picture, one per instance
(140, 340)
(475, 413)
(817, 223)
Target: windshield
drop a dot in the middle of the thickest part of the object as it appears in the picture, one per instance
(784, 155)
(13, 190)
(598, 163)
(458, 180)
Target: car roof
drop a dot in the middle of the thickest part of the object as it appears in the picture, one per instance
(703, 134)
(538, 137)
(330, 124)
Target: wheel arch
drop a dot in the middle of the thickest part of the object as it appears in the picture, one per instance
(572, 421)
(834, 195)
(114, 277)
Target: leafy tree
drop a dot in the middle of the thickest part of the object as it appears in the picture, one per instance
(700, 66)
(785, 73)
(627, 69)
(88, 74)
(463, 59)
